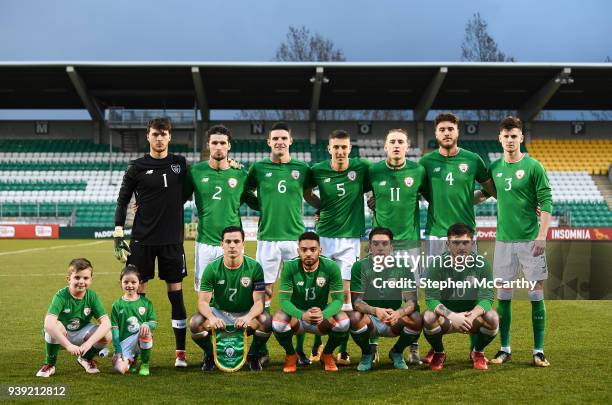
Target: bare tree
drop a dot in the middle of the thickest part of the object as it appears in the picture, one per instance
(301, 45)
(479, 46)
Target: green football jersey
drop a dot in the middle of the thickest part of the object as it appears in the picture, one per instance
(310, 289)
(127, 316)
(379, 288)
(460, 298)
(217, 197)
(233, 288)
(521, 187)
(450, 185)
(74, 313)
(397, 199)
(280, 190)
(341, 193)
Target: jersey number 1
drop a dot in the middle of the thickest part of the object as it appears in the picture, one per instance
(165, 181)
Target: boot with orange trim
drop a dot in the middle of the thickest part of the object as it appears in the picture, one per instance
(327, 359)
(290, 363)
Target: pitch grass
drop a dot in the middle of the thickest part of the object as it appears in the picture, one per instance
(577, 344)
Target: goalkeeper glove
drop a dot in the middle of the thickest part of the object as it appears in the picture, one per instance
(122, 250)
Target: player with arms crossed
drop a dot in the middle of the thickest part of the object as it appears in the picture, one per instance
(281, 183)
(157, 180)
(237, 282)
(396, 183)
(522, 186)
(378, 309)
(466, 308)
(306, 284)
(341, 223)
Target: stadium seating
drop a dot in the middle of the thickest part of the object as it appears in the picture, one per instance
(592, 155)
(74, 178)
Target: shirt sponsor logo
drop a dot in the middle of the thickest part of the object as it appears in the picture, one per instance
(409, 181)
(321, 281)
(269, 174)
(176, 168)
(149, 172)
(142, 310)
(221, 282)
(245, 281)
(232, 182)
(205, 180)
(520, 174)
(464, 167)
(295, 174)
(87, 311)
(352, 175)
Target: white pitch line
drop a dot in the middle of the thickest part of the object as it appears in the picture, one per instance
(96, 273)
(14, 252)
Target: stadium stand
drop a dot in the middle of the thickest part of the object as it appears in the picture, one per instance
(74, 179)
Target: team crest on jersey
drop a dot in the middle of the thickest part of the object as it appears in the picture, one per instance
(520, 174)
(176, 168)
(73, 324)
(352, 175)
(142, 310)
(245, 281)
(321, 281)
(464, 167)
(232, 182)
(409, 181)
(87, 311)
(295, 174)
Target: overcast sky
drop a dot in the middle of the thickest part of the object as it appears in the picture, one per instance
(242, 30)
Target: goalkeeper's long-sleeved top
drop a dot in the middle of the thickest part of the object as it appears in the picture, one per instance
(158, 185)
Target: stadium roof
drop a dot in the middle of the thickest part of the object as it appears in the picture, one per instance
(527, 87)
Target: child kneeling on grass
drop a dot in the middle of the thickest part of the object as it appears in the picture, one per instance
(68, 321)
